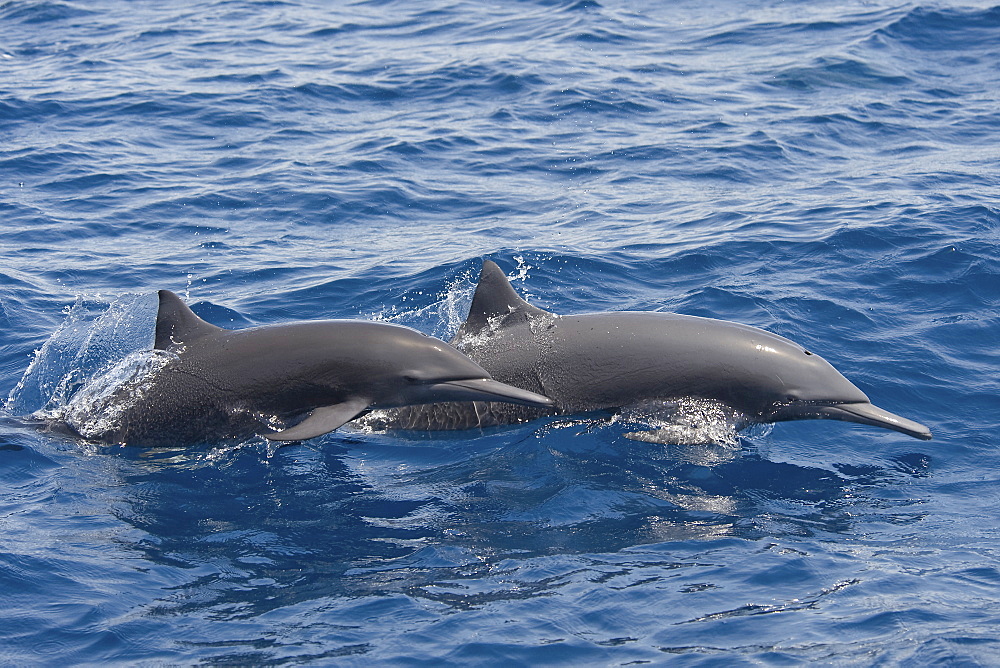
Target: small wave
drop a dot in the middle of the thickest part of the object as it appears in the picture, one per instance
(945, 29)
(41, 12)
(837, 73)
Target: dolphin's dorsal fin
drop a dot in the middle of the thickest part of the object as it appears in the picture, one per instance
(176, 323)
(321, 420)
(495, 297)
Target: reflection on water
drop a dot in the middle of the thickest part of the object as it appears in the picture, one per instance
(456, 520)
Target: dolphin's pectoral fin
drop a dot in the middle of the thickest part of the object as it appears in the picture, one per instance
(321, 421)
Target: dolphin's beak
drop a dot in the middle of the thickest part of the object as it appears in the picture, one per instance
(866, 413)
(486, 389)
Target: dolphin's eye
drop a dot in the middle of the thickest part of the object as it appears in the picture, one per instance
(411, 379)
(807, 352)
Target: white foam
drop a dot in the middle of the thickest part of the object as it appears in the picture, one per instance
(685, 421)
(97, 408)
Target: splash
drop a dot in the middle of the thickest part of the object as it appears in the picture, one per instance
(685, 422)
(94, 338)
(521, 274)
(97, 408)
(442, 317)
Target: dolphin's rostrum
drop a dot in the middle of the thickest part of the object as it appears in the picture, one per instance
(288, 382)
(616, 360)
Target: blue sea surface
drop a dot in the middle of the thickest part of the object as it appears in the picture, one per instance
(829, 171)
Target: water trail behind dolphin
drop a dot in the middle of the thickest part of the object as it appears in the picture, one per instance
(95, 336)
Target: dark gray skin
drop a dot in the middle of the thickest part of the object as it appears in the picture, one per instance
(289, 382)
(609, 361)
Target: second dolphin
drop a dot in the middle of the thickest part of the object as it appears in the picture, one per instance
(615, 360)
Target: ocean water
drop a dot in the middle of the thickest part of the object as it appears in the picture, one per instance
(829, 171)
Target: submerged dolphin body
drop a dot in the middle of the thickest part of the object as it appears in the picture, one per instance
(285, 382)
(623, 359)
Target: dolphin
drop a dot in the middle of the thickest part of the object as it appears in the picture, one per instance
(285, 382)
(616, 360)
